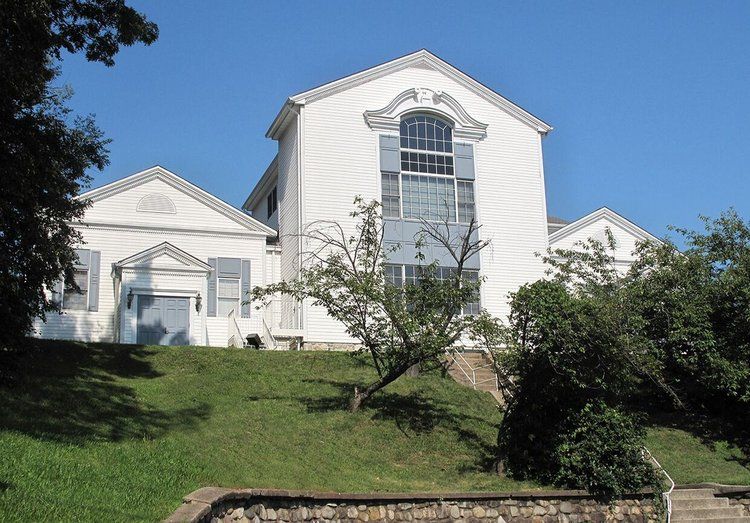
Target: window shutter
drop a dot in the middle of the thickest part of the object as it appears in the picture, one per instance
(211, 298)
(464, 160)
(94, 268)
(389, 154)
(244, 297)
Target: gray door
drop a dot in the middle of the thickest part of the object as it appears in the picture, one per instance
(162, 320)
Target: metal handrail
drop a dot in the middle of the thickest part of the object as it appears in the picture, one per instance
(454, 353)
(234, 329)
(666, 495)
(269, 340)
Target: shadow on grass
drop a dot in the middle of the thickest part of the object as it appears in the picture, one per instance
(72, 392)
(413, 413)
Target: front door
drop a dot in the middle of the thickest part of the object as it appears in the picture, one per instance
(162, 320)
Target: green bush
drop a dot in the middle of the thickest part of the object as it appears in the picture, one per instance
(600, 451)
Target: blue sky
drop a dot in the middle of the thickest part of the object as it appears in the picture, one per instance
(649, 100)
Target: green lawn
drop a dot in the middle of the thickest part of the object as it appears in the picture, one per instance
(103, 431)
(122, 433)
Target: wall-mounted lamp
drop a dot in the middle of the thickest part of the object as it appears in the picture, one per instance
(198, 302)
(130, 298)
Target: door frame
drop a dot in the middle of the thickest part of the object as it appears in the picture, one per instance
(162, 293)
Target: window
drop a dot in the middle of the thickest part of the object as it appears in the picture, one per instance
(272, 202)
(465, 201)
(426, 133)
(473, 307)
(393, 275)
(77, 299)
(229, 296)
(429, 197)
(412, 274)
(391, 196)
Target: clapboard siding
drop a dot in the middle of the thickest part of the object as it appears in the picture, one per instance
(626, 240)
(113, 227)
(340, 162)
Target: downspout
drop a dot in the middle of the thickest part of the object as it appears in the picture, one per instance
(298, 109)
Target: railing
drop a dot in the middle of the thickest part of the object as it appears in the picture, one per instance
(455, 354)
(268, 338)
(666, 495)
(235, 335)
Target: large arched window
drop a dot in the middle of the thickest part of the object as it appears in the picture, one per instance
(426, 145)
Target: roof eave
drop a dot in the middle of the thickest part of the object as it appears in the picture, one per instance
(260, 187)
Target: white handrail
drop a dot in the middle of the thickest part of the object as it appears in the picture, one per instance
(454, 354)
(666, 495)
(235, 335)
(268, 338)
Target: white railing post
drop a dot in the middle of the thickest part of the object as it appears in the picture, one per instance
(666, 495)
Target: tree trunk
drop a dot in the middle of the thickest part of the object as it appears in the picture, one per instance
(362, 395)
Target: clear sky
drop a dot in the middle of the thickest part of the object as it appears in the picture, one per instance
(649, 100)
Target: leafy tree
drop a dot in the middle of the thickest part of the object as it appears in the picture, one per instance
(44, 151)
(399, 326)
(575, 355)
(695, 307)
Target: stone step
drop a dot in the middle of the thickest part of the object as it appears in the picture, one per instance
(706, 513)
(692, 493)
(713, 520)
(688, 504)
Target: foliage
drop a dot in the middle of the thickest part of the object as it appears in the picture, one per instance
(122, 433)
(575, 355)
(695, 307)
(398, 326)
(44, 151)
(600, 449)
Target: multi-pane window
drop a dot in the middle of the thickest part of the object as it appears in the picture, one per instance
(391, 197)
(413, 274)
(465, 201)
(229, 295)
(393, 275)
(429, 197)
(426, 133)
(428, 187)
(272, 202)
(77, 299)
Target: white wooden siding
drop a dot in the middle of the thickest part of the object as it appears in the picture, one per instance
(194, 228)
(340, 162)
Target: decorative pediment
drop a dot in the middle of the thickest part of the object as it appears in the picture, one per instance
(164, 256)
(422, 99)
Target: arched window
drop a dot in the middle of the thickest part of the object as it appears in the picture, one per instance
(426, 145)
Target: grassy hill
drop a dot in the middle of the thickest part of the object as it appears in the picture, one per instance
(95, 431)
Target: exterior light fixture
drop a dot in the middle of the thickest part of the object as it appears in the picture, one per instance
(130, 298)
(198, 302)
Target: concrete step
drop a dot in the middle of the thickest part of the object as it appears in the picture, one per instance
(692, 493)
(689, 504)
(706, 513)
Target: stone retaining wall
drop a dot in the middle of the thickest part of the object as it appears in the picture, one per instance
(216, 505)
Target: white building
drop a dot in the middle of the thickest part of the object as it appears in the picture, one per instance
(162, 255)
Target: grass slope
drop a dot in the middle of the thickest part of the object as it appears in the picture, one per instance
(95, 432)
(111, 432)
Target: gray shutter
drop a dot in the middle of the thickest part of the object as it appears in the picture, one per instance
(464, 158)
(94, 268)
(390, 157)
(230, 268)
(245, 285)
(211, 298)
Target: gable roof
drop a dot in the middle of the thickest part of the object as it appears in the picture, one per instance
(423, 58)
(602, 212)
(160, 173)
(263, 185)
(165, 248)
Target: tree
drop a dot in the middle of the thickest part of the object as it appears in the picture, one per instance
(44, 151)
(575, 355)
(397, 325)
